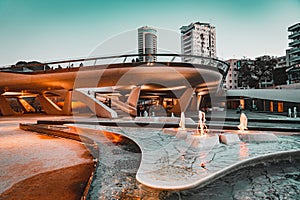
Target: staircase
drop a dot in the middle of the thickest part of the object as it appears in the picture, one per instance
(121, 113)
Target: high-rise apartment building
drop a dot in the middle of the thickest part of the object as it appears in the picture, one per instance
(293, 58)
(293, 54)
(198, 39)
(147, 43)
(231, 80)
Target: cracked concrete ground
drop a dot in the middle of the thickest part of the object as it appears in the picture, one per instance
(269, 181)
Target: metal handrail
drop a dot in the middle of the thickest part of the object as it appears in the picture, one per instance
(191, 59)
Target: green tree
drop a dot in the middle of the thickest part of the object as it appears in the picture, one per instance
(251, 73)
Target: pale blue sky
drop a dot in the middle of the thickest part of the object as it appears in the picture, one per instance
(55, 29)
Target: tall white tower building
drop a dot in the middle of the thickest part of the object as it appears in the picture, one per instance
(198, 39)
(147, 43)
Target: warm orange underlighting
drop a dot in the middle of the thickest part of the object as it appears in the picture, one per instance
(280, 106)
(115, 138)
(244, 151)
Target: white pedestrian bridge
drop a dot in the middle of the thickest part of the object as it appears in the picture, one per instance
(112, 76)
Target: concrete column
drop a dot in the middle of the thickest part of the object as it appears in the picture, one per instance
(26, 105)
(134, 96)
(185, 99)
(99, 108)
(48, 106)
(67, 109)
(199, 99)
(5, 107)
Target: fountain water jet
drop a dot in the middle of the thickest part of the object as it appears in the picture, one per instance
(243, 122)
(182, 121)
(201, 128)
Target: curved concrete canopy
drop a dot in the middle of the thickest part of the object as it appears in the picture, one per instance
(156, 76)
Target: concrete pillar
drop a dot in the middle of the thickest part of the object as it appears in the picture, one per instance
(134, 96)
(26, 105)
(199, 99)
(67, 109)
(185, 99)
(99, 108)
(5, 107)
(48, 106)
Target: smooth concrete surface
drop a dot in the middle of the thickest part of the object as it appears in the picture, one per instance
(250, 136)
(229, 139)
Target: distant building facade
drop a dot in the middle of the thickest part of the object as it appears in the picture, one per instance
(147, 43)
(293, 54)
(279, 72)
(281, 62)
(198, 39)
(231, 80)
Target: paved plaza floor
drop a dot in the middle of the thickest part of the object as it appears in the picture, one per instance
(31, 163)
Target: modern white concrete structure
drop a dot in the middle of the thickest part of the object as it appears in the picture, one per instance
(171, 86)
(147, 43)
(198, 39)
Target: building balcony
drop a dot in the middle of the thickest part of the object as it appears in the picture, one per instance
(294, 43)
(294, 27)
(186, 43)
(294, 50)
(295, 58)
(294, 35)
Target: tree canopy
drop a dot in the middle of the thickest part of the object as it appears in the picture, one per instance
(251, 73)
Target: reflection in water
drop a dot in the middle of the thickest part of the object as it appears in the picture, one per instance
(115, 138)
(244, 151)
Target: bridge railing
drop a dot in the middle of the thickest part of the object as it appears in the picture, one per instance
(130, 58)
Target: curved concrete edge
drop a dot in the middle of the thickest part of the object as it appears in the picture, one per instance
(210, 178)
(284, 155)
(90, 144)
